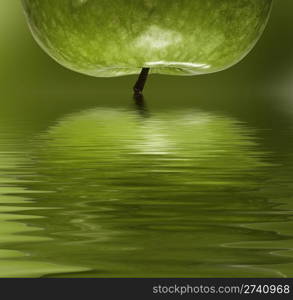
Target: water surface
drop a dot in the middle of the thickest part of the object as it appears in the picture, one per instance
(108, 190)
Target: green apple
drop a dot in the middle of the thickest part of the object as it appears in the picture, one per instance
(119, 37)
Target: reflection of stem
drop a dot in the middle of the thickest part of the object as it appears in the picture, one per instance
(139, 86)
(140, 105)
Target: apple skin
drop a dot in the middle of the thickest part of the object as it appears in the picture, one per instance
(105, 38)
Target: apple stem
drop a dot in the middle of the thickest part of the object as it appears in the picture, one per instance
(139, 86)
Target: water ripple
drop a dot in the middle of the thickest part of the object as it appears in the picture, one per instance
(106, 192)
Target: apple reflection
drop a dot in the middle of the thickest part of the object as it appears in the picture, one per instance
(131, 194)
(105, 154)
